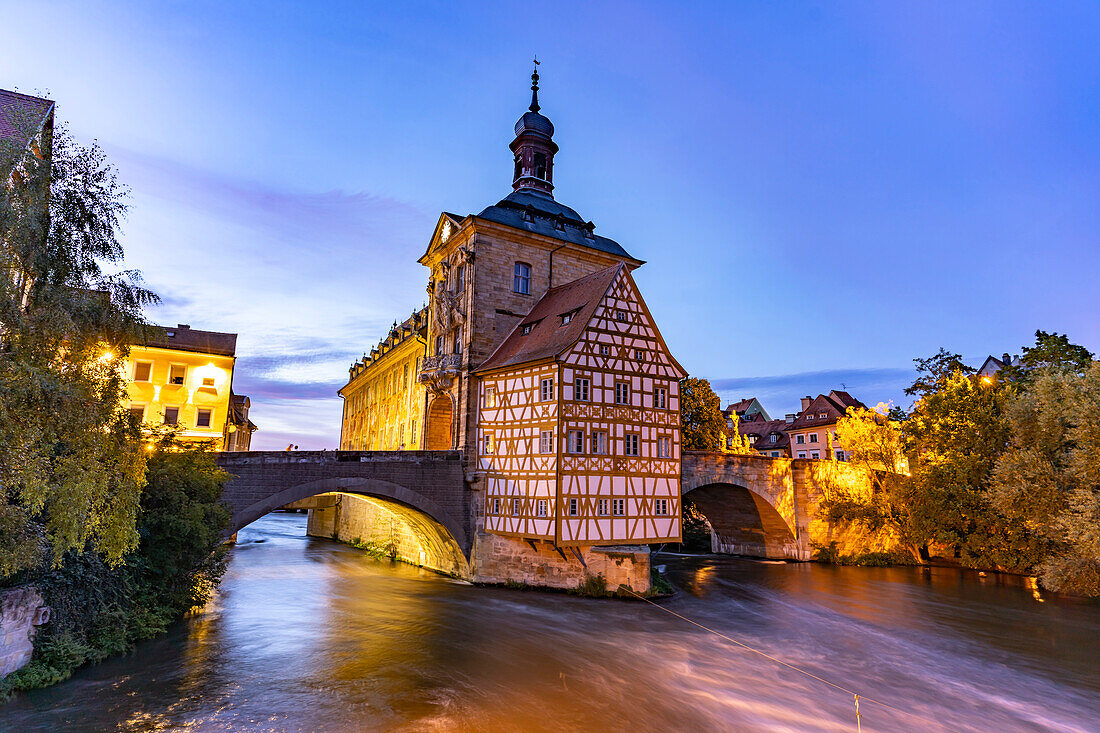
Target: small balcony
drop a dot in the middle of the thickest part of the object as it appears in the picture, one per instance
(438, 371)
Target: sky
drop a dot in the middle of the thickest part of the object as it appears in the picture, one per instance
(822, 191)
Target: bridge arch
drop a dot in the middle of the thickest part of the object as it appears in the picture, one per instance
(392, 518)
(743, 522)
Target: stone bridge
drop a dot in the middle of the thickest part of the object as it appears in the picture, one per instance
(770, 507)
(417, 498)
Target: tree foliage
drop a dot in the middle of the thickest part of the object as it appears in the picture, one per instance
(70, 458)
(702, 425)
(1052, 352)
(1049, 478)
(933, 372)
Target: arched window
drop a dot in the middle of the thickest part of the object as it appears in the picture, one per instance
(540, 166)
(522, 281)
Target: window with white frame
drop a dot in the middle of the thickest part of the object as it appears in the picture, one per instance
(490, 397)
(496, 505)
(488, 444)
(546, 389)
(622, 393)
(143, 371)
(823, 415)
(661, 507)
(515, 507)
(599, 442)
(203, 417)
(801, 454)
(576, 441)
(546, 441)
(660, 398)
(813, 437)
(800, 439)
(138, 411)
(572, 507)
(840, 456)
(566, 318)
(630, 444)
(542, 507)
(581, 389)
(773, 438)
(521, 283)
(601, 507)
(664, 447)
(618, 507)
(815, 455)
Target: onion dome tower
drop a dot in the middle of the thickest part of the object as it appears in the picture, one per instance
(534, 147)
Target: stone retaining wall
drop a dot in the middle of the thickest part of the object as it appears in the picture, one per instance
(21, 612)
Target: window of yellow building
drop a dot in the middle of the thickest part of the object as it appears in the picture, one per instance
(177, 374)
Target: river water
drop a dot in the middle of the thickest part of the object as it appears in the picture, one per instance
(310, 635)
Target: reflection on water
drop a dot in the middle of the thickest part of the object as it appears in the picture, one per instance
(309, 635)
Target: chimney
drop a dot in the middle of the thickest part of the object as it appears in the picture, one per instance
(806, 402)
(1006, 359)
(791, 417)
(183, 326)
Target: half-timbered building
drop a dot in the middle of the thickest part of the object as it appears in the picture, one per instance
(579, 420)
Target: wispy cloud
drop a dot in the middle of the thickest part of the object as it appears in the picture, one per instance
(780, 393)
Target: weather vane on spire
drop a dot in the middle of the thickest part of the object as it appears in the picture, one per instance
(535, 86)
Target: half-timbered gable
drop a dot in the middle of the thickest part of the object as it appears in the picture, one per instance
(578, 420)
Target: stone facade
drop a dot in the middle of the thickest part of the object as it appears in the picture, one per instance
(21, 613)
(502, 560)
(383, 400)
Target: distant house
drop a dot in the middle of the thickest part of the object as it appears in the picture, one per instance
(812, 433)
(768, 437)
(992, 364)
(747, 410)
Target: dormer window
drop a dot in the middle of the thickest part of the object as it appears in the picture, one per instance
(823, 415)
(527, 216)
(567, 317)
(526, 328)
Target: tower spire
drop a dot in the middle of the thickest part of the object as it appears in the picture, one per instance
(535, 87)
(533, 149)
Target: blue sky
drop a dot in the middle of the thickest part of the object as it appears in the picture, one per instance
(822, 191)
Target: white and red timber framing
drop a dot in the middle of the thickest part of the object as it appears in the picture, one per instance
(579, 420)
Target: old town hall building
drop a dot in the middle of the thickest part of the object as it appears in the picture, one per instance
(539, 360)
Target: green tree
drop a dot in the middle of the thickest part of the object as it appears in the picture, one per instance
(71, 463)
(1049, 478)
(933, 372)
(702, 425)
(954, 437)
(1051, 352)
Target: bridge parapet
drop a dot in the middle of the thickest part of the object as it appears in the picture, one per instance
(429, 481)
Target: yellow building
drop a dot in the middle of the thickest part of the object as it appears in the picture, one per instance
(183, 377)
(383, 401)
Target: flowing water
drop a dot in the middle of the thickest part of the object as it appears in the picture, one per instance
(310, 635)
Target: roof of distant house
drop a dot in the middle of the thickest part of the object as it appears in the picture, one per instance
(762, 429)
(547, 337)
(185, 338)
(833, 405)
(21, 114)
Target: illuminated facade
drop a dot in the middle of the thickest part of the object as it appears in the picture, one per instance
(579, 422)
(383, 401)
(183, 377)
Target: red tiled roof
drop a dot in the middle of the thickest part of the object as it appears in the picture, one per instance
(20, 115)
(185, 338)
(548, 337)
(835, 405)
(740, 406)
(762, 429)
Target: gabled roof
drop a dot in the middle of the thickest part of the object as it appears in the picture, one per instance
(547, 337)
(538, 212)
(762, 429)
(834, 405)
(21, 116)
(185, 338)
